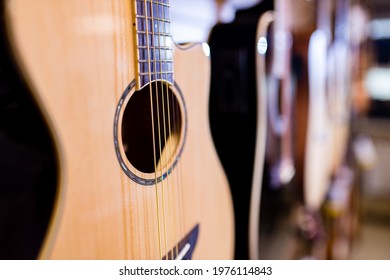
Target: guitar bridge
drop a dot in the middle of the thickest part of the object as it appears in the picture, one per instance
(185, 248)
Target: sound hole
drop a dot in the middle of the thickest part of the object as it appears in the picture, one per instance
(137, 135)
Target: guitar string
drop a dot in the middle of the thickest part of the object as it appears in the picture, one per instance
(134, 12)
(161, 36)
(167, 16)
(144, 194)
(152, 122)
(169, 189)
(138, 191)
(179, 182)
(155, 71)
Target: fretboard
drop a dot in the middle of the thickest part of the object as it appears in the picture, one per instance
(154, 42)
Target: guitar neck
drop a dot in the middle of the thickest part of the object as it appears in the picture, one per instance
(154, 44)
(342, 20)
(280, 64)
(324, 16)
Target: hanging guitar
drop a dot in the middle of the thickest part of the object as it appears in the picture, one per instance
(327, 179)
(128, 114)
(341, 207)
(254, 139)
(275, 83)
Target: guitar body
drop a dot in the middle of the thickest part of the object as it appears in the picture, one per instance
(78, 58)
(318, 153)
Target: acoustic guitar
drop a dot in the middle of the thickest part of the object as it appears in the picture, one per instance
(127, 109)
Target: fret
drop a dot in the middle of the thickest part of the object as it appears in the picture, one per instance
(151, 53)
(157, 60)
(153, 10)
(162, 64)
(156, 73)
(161, 34)
(162, 3)
(155, 66)
(154, 25)
(154, 18)
(144, 79)
(145, 54)
(162, 30)
(154, 40)
(152, 47)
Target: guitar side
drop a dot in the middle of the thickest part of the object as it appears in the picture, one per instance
(78, 58)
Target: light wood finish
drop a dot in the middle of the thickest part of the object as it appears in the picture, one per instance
(78, 58)
(329, 108)
(340, 81)
(339, 102)
(319, 137)
(318, 141)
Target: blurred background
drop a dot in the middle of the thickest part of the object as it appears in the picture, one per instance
(194, 20)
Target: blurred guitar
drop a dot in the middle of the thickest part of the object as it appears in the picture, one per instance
(233, 107)
(274, 145)
(319, 137)
(252, 135)
(342, 205)
(328, 182)
(131, 134)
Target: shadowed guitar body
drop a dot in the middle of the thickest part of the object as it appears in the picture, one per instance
(27, 163)
(78, 57)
